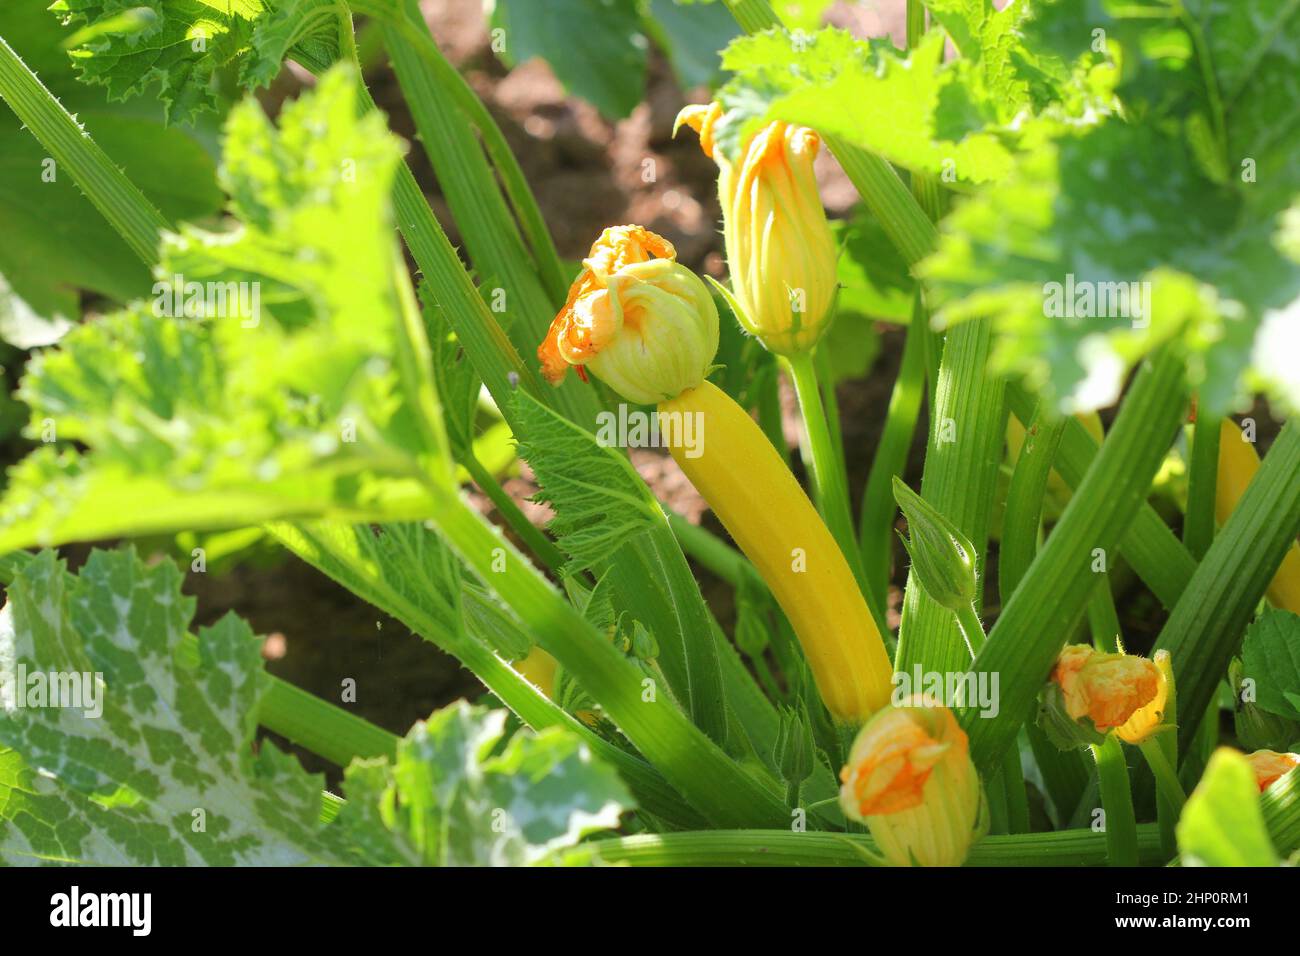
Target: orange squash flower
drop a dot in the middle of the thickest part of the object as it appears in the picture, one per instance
(644, 324)
(1108, 689)
(780, 250)
(1269, 766)
(911, 780)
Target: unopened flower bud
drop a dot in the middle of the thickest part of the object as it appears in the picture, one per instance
(780, 250)
(943, 559)
(911, 780)
(795, 749)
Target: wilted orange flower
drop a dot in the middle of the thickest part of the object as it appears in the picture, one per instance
(1106, 688)
(1269, 765)
(644, 324)
(780, 250)
(1149, 718)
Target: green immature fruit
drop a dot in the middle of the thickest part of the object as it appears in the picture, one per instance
(942, 557)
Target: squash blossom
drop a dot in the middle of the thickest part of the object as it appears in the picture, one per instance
(1270, 766)
(1156, 715)
(780, 250)
(645, 325)
(1108, 689)
(648, 328)
(910, 779)
(1238, 462)
(1090, 694)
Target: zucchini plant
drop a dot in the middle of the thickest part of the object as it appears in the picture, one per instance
(1090, 208)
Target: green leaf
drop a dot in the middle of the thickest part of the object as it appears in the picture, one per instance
(178, 45)
(56, 242)
(1222, 824)
(691, 36)
(1058, 253)
(607, 65)
(165, 774)
(874, 280)
(1270, 655)
(912, 109)
(600, 501)
(282, 391)
(991, 38)
(129, 46)
(454, 796)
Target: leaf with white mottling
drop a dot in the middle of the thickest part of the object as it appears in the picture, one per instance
(166, 774)
(455, 796)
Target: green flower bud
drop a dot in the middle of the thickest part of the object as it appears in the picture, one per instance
(942, 557)
(794, 747)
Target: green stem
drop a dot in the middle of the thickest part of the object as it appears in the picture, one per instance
(767, 384)
(1080, 847)
(331, 548)
(830, 490)
(117, 198)
(1011, 802)
(1202, 481)
(1051, 599)
(1205, 628)
(971, 627)
(1103, 619)
(1013, 777)
(878, 506)
(721, 790)
(1025, 495)
(890, 202)
(915, 22)
(962, 462)
(532, 536)
(1170, 790)
(792, 788)
(1158, 557)
(1117, 801)
(1212, 93)
(523, 203)
(712, 552)
(1064, 772)
(753, 15)
(832, 404)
